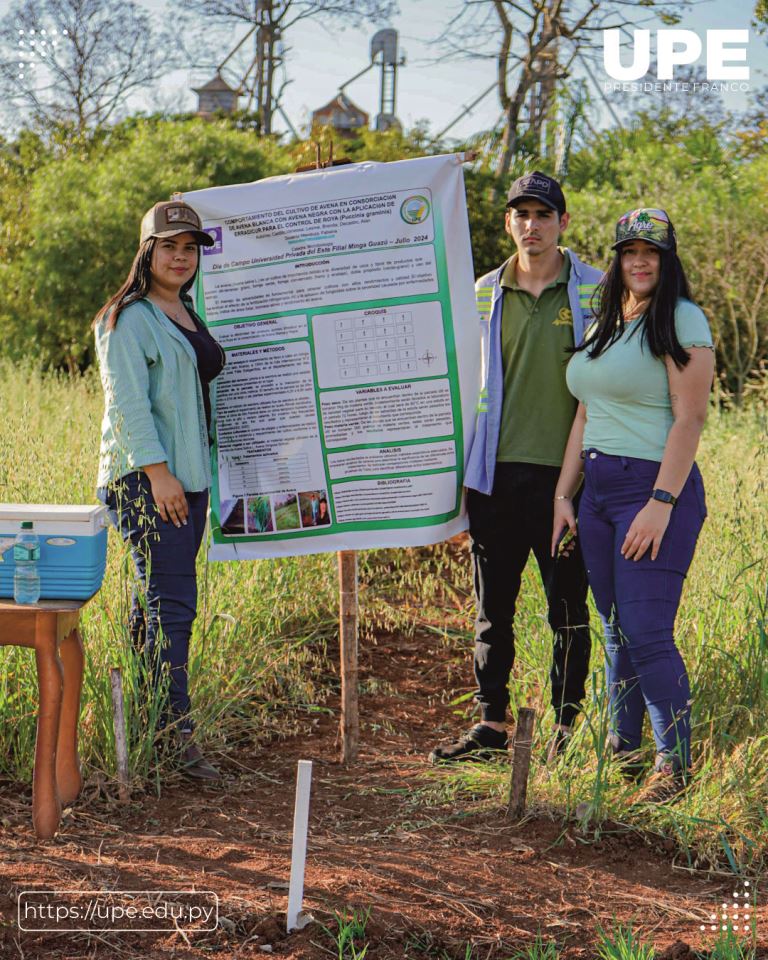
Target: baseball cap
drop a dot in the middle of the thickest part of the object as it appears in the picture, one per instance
(172, 217)
(540, 187)
(649, 224)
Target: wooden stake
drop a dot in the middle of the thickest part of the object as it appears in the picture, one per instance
(121, 745)
(350, 722)
(521, 762)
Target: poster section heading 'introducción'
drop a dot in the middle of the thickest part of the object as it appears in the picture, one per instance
(344, 301)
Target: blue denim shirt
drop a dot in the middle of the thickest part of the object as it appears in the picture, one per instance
(481, 463)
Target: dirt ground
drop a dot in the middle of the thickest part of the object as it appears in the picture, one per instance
(436, 878)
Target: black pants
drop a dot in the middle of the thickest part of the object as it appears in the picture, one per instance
(505, 526)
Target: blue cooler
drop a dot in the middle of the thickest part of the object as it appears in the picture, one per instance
(73, 547)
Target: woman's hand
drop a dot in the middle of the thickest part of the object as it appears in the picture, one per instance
(564, 517)
(167, 493)
(646, 530)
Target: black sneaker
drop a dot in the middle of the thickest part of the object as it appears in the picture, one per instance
(480, 743)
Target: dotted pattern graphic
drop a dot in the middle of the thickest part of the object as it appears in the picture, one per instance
(739, 916)
(35, 46)
(376, 345)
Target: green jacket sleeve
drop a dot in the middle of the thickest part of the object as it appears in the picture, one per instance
(124, 356)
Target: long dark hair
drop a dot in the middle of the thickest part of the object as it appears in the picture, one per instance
(136, 286)
(658, 323)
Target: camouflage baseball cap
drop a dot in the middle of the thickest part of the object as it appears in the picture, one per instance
(649, 224)
(172, 217)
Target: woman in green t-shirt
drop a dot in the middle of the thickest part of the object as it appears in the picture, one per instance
(642, 378)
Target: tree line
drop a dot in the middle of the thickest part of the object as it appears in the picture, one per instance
(70, 210)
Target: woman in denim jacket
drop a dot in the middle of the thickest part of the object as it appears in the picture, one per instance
(157, 362)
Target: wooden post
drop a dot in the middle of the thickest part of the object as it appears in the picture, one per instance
(350, 722)
(521, 762)
(121, 745)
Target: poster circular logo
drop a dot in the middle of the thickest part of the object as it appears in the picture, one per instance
(415, 209)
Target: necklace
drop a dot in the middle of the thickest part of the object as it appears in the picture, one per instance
(637, 309)
(176, 312)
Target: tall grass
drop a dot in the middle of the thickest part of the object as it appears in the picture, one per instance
(722, 631)
(258, 654)
(259, 639)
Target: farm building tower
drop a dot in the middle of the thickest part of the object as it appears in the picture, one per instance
(216, 96)
(341, 114)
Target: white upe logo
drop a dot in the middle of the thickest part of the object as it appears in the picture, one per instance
(677, 48)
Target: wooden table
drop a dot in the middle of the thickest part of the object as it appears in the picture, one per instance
(50, 627)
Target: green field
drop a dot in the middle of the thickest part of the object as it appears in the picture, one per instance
(287, 516)
(262, 630)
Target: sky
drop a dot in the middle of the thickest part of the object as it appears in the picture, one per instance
(321, 58)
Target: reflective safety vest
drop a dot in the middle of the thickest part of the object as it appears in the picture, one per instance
(481, 463)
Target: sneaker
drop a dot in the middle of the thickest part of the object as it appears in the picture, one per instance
(480, 743)
(664, 785)
(558, 743)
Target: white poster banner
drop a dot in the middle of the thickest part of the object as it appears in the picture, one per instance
(344, 301)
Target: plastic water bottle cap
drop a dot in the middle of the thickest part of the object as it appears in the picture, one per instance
(27, 525)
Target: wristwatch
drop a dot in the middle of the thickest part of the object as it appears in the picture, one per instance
(664, 496)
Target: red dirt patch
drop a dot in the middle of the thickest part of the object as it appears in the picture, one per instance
(436, 877)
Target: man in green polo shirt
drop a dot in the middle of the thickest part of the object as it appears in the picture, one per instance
(535, 335)
(532, 309)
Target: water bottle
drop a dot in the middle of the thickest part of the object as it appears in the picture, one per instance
(26, 556)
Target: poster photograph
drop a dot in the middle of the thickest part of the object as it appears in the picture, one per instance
(384, 479)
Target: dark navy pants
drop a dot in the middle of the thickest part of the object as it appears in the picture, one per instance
(638, 600)
(166, 582)
(505, 527)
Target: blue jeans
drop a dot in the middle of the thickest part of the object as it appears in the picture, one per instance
(164, 558)
(638, 600)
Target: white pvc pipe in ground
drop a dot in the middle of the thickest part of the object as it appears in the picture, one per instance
(299, 848)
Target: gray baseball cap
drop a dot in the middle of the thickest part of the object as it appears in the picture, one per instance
(172, 217)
